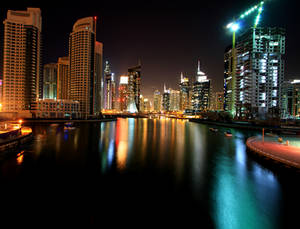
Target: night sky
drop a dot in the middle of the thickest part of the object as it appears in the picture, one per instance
(167, 36)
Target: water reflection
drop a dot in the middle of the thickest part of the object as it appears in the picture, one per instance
(239, 202)
(174, 157)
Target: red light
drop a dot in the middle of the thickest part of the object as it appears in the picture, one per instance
(95, 18)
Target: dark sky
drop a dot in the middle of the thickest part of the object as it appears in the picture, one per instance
(167, 36)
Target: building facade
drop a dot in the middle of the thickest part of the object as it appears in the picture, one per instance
(174, 100)
(123, 93)
(50, 81)
(22, 81)
(56, 108)
(291, 99)
(166, 100)
(82, 65)
(63, 78)
(157, 101)
(98, 77)
(229, 86)
(134, 84)
(110, 88)
(201, 92)
(185, 93)
(260, 72)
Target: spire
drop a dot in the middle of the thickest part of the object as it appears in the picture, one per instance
(165, 88)
(198, 66)
(181, 77)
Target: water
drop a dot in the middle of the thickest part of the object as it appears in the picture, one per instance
(145, 172)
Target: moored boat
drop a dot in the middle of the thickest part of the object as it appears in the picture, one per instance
(228, 133)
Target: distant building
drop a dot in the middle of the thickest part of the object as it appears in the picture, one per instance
(219, 101)
(166, 99)
(82, 42)
(229, 85)
(110, 88)
(134, 85)
(63, 78)
(291, 99)
(185, 93)
(157, 98)
(201, 92)
(22, 81)
(50, 81)
(174, 100)
(123, 93)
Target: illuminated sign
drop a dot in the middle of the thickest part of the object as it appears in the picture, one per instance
(123, 79)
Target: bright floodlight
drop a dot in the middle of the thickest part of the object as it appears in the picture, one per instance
(234, 27)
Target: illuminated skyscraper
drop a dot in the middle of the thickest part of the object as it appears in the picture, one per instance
(110, 88)
(201, 92)
(82, 65)
(63, 78)
(174, 100)
(185, 93)
(229, 87)
(50, 81)
(157, 101)
(123, 93)
(98, 77)
(166, 99)
(134, 75)
(22, 84)
(260, 72)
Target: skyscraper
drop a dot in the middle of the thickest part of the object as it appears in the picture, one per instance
(98, 77)
(157, 101)
(82, 64)
(21, 60)
(201, 91)
(185, 93)
(174, 100)
(229, 86)
(260, 72)
(110, 88)
(134, 75)
(63, 78)
(123, 93)
(50, 81)
(166, 99)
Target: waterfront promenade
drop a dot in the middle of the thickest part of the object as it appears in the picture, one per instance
(288, 155)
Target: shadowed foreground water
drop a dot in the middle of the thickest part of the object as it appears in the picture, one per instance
(144, 172)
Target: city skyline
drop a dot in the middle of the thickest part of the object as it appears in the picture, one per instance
(168, 40)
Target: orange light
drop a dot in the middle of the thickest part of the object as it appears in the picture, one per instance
(20, 121)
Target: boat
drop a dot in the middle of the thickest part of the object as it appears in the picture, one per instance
(213, 129)
(288, 132)
(69, 126)
(228, 133)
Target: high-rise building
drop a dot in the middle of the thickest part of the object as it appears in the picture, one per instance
(123, 93)
(98, 77)
(185, 93)
(22, 84)
(201, 92)
(50, 81)
(82, 64)
(174, 100)
(291, 99)
(260, 71)
(166, 99)
(229, 86)
(109, 79)
(157, 101)
(63, 78)
(134, 75)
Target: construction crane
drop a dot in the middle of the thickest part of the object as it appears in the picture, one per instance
(234, 26)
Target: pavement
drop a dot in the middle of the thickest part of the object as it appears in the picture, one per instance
(287, 154)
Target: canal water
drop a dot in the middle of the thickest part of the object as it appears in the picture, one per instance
(145, 172)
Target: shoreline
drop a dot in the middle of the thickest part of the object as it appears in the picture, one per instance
(249, 126)
(45, 121)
